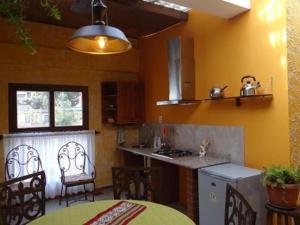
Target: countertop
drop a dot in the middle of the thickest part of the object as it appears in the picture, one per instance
(190, 162)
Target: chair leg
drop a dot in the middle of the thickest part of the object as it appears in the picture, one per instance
(269, 218)
(66, 196)
(297, 220)
(94, 187)
(280, 220)
(286, 220)
(61, 193)
(84, 192)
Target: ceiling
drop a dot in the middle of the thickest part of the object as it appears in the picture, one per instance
(226, 9)
(135, 18)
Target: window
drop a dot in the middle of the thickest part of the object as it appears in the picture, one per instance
(68, 108)
(47, 107)
(33, 109)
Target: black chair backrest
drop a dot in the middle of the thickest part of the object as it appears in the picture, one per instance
(22, 199)
(237, 209)
(22, 160)
(137, 183)
(73, 157)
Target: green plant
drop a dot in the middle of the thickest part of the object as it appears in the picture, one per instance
(14, 11)
(279, 176)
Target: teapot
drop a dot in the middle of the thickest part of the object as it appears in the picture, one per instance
(249, 88)
(217, 92)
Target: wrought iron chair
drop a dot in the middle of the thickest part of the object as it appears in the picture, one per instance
(76, 169)
(138, 183)
(237, 209)
(24, 204)
(22, 160)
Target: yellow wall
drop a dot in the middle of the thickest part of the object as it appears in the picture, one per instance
(225, 50)
(252, 43)
(54, 64)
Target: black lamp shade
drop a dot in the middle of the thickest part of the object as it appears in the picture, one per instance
(99, 39)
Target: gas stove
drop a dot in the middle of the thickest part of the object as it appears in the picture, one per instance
(173, 153)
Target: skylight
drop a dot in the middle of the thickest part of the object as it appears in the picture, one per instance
(169, 5)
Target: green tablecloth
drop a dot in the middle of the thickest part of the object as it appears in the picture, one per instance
(155, 214)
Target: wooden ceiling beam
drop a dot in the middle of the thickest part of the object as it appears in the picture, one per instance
(135, 18)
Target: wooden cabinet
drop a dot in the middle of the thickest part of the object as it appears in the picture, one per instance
(170, 174)
(170, 187)
(123, 103)
(131, 160)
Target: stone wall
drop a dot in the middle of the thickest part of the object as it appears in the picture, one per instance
(225, 141)
(293, 59)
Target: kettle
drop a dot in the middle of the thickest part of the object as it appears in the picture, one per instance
(249, 88)
(217, 92)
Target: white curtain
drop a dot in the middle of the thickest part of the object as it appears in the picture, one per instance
(47, 145)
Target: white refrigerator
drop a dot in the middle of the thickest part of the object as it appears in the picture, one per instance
(212, 182)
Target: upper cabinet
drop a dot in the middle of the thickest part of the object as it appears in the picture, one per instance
(123, 103)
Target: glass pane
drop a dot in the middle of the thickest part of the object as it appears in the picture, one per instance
(33, 109)
(68, 108)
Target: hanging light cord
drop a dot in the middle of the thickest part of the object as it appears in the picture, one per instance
(92, 8)
(106, 18)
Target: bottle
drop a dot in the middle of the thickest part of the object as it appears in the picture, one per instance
(155, 142)
(158, 143)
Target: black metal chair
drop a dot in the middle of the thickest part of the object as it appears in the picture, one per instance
(24, 204)
(237, 209)
(137, 183)
(76, 169)
(22, 160)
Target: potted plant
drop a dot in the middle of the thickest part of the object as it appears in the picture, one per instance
(282, 185)
(14, 11)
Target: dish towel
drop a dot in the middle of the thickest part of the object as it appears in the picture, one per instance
(119, 214)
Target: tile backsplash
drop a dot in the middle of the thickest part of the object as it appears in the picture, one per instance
(225, 141)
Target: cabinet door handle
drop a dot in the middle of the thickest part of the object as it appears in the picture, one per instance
(213, 184)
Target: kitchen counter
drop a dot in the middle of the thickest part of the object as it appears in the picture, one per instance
(190, 162)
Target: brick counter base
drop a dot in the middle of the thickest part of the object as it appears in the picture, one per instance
(192, 200)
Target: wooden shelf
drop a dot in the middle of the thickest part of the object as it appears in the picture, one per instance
(239, 98)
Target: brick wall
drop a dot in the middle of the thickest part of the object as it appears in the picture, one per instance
(192, 200)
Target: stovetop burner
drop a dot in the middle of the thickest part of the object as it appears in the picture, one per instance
(171, 154)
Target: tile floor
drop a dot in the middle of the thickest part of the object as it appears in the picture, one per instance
(52, 205)
(106, 194)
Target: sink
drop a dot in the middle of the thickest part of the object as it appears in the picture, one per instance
(174, 153)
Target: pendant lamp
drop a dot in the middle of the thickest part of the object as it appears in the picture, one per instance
(99, 38)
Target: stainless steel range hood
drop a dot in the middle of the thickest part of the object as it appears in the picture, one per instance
(181, 72)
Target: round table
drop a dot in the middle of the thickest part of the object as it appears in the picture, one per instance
(154, 214)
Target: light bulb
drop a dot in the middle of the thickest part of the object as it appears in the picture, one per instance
(102, 42)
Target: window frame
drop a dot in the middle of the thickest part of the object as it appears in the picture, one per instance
(12, 106)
